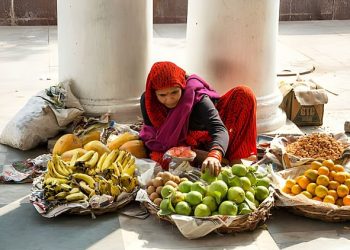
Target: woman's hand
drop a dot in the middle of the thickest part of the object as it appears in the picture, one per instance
(212, 164)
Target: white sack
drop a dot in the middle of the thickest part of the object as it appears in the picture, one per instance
(40, 119)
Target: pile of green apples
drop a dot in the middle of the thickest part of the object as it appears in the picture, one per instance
(237, 190)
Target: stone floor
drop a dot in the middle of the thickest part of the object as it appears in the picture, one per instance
(28, 63)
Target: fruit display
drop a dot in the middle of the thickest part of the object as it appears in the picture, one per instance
(238, 190)
(323, 181)
(155, 186)
(68, 144)
(65, 143)
(316, 146)
(89, 174)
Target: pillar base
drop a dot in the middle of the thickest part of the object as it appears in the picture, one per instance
(269, 116)
(125, 111)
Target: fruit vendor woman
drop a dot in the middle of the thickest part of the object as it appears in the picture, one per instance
(183, 110)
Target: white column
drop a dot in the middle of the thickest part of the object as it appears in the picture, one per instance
(231, 42)
(104, 47)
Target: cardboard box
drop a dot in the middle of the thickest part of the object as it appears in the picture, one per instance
(303, 102)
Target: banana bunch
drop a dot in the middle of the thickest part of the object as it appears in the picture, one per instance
(88, 175)
(56, 189)
(108, 187)
(114, 167)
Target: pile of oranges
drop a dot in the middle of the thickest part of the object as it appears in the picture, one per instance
(323, 181)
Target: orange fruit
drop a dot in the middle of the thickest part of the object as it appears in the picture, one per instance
(316, 198)
(297, 179)
(333, 185)
(322, 180)
(346, 200)
(340, 177)
(286, 189)
(329, 199)
(342, 190)
(323, 171)
(312, 174)
(303, 181)
(290, 183)
(347, 183)
(321, 191)
(311, 188)
(328, 163)
(339, 202)
(331, 175)
(316, 164)
(307, 194)
(333, 193)
(296, 189)
(338, 168)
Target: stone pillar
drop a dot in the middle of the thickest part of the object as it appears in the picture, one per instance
(104, 47)
(231, 42)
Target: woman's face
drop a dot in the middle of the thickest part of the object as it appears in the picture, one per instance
(169, 97)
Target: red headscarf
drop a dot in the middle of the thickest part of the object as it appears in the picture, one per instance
(162, 75)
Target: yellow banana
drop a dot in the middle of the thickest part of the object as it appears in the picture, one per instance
(62, 167)
(74, 190)
(56, 162)
(115, 169)
(108, 187)
(130, 170)
(126, 159)
(65, 187)
(61, 195)
(121, 139)
(85, 157)
(120, 168)
(74, 159)
(110, 158)
(120, 156)
(130, 162)
(115, 179)
(76, 196)
(128, 182)
(132, 185)
(88, 179)
(102, 187)
(47, 175)
(115, 190)
(54, 171)
(49, 172)
(66, 167)
(125, 180)
(91, 172)
(51, 198)
(100, 162)
(57, 189)
(85, 187)
(60, 170)
(93, 161)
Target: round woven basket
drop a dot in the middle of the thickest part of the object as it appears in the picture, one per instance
(240, 223)
(113, 207)
(321, 211)
(301, 205)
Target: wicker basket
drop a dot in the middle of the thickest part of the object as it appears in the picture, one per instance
(240, 223)
(53, 211)
(115, 206)
(314, 209)
(301, 205)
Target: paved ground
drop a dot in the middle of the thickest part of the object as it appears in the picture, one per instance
(28, 63)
